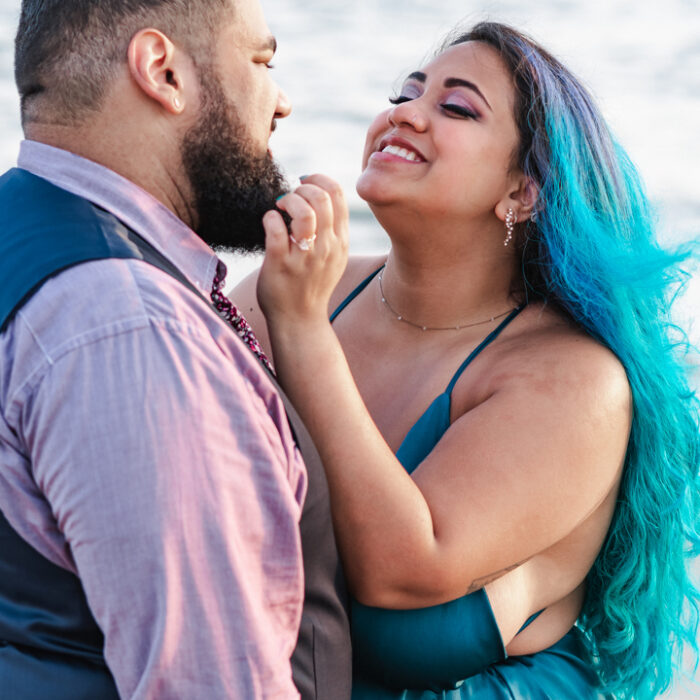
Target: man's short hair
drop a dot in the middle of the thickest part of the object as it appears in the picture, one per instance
(67, 52)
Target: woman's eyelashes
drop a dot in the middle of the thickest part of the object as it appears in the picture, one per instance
(459, 110)
(450, 107)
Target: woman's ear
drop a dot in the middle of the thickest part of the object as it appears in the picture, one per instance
(522, 199)
(159, 69)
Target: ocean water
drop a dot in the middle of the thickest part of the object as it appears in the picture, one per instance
(339, 60)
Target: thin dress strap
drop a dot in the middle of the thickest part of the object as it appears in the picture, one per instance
(530, 620)
(486, 341)
(354, 293)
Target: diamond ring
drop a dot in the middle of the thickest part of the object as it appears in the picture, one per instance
(305, 244)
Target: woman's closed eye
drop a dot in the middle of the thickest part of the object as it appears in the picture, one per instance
(459, 110)
(450, 107)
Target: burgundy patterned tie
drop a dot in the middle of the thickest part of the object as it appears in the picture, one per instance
(234, 317)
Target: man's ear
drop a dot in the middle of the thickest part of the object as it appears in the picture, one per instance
(158, 68)
(521, 198)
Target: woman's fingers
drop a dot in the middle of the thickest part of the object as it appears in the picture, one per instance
(303, 265)
(320, 201)
(317, 209)
(337, 199)
(305, 224)
(276, 236)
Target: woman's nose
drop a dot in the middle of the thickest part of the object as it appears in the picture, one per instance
(409, 113)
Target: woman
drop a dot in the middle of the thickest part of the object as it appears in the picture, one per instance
(555, 479)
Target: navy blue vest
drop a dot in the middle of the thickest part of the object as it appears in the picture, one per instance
(50, 644)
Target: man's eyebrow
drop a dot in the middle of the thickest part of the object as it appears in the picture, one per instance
(452, 82)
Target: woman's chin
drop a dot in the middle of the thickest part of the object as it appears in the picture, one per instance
(375, 189)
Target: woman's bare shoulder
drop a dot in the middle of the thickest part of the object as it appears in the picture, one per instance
(548, 352)
(244, 294)
(358, 268)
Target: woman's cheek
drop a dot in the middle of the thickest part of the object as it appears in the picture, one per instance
(376, 130)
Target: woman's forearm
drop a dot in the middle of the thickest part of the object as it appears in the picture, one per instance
(383, 523)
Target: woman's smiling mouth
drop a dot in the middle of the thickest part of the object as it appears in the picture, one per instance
(398, 149)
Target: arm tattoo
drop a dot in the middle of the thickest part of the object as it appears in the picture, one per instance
(481, 582)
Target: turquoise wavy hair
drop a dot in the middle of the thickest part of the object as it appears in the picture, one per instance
(592, 251)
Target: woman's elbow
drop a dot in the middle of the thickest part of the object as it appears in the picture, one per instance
(376, 589)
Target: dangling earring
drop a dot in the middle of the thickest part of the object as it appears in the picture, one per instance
(511, 220)
(177, 104)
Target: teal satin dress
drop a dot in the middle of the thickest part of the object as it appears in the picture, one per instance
(454, 651)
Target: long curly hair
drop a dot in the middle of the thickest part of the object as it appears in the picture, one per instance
(592, 251)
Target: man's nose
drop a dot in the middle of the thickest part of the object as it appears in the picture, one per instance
(284, 106)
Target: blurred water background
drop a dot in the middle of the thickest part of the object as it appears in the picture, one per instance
(339, 60)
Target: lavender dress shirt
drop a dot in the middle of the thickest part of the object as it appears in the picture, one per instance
(143, 448)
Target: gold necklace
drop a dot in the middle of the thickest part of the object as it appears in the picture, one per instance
(400, 317)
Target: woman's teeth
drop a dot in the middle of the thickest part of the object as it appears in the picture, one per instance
(401, 152)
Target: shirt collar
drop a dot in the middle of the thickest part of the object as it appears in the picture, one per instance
(132, 205)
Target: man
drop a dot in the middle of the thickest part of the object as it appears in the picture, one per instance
(151, 491)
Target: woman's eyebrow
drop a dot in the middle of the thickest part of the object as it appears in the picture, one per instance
(452, 82)
(460, 82)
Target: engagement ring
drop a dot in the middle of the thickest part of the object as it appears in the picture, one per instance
(304, 244)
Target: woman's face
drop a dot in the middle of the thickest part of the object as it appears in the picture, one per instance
(446, 147)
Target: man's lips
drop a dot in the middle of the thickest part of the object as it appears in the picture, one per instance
(394, 148)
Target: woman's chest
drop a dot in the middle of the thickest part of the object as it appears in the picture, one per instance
(400, 381)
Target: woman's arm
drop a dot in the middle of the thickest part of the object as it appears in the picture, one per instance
(509, 479)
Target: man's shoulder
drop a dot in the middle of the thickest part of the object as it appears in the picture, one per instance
(117, 313)
(108, 297)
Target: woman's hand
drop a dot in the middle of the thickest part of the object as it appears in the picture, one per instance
(302, 268)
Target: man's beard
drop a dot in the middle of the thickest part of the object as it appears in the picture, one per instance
(232, 186)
